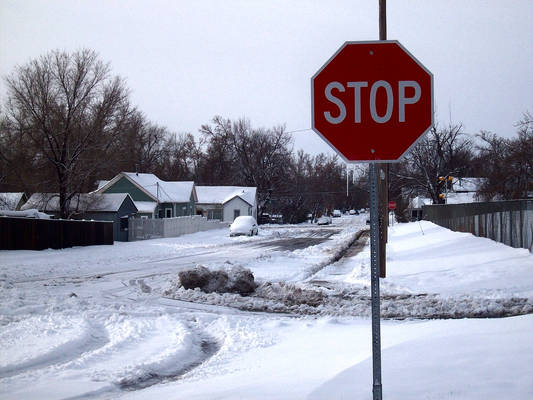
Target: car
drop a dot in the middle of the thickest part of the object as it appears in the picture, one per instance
(276, 219)
(265, 219)
(336, 213)
(244, 225)
(324, 220)
(353, 212)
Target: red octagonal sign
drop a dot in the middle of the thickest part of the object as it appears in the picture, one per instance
(372, 101)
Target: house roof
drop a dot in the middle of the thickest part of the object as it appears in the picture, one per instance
(101, 184)
(30, 213)
(159, 190)
(10, 201)
(418, 202)
(146, 206)
(92, 202)
(468, 184)
(460, 198)
(223, 194)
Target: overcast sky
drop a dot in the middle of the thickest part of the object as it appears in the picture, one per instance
(187, 61)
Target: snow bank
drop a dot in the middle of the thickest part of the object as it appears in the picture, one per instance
(467, 360)
(94, 323)
(431, 273)
(234, 279)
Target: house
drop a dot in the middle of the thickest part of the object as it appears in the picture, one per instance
(415, 207)
(12, 201)
(226, 203)
(115, 207)
(464, 190)
(153, 197)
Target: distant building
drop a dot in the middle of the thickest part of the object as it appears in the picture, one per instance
(415, 207)
(465, 190)
(12, 201)
(153, 197)
(226, 203)
(115, 207)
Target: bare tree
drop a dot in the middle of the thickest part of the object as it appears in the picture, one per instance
(180, 158)
(241, 155)
(523, 155)
(508, 163)
(68, 109)
(442, 152)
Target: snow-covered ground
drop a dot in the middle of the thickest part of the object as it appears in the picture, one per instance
(112, 322)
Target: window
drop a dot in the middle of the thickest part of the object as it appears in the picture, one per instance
(168, 213)
(214, 214)
(124, 223)
(236, 213)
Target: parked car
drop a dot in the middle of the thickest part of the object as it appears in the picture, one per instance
(324, 220)
(265, 219)
(354, 212)
(244, 225)
(277, 219)
(337, 213)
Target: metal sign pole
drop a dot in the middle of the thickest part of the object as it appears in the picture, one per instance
(377, 251)
(374, 278)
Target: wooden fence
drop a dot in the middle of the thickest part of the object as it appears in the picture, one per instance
(152, 228)
(39, 234)
(509, 222)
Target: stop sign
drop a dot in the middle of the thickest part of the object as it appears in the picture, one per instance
(371, 101)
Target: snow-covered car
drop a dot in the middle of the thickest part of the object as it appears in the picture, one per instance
(324, 220)
(244, 225)
(354, 212)
(337, 213)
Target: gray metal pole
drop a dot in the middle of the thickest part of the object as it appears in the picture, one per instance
(375, 180)
(374, 283)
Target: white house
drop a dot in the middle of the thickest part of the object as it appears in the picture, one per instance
(415, 207)
(226, 203)
(464, 190)
(12, 201)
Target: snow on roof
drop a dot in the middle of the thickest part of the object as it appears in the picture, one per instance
(10, 201)
(106, 202)
(29, 213)
(460, 198)
(468, 184)
(163, 191)
(418, 202)
(101, 184)
(223, 194)
(146, 206)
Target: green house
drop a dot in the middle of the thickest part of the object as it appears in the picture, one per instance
(153, 197)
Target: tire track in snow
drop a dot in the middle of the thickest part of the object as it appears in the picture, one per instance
(94, 336)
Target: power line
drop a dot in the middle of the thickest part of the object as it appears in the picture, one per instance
(300, 130)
